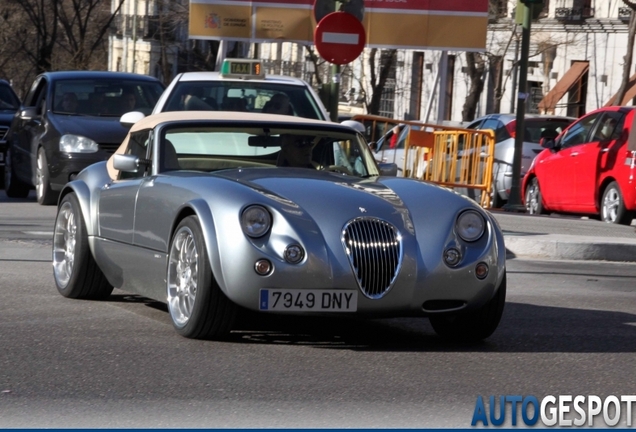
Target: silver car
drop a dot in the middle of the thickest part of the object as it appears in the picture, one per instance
(504, 126)
(207, 211)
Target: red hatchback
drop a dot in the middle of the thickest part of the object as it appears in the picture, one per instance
(590, 168)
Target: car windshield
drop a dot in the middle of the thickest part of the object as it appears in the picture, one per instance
(104, 97)
(206, 148)
(244, 95)
(8, 100)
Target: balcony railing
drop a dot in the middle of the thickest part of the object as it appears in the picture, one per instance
(574, 14)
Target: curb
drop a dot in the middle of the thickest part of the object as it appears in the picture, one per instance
(568, 247)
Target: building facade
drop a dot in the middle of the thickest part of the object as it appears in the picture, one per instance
(575, 64)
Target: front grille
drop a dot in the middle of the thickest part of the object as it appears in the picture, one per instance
(3, 132)
(374, 248)
(109, 148)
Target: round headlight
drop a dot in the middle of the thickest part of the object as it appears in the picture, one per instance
(256, 221)
(470, 225)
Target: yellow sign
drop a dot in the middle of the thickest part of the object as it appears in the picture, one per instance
(409, 24)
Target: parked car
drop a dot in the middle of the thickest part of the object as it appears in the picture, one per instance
(68, 121)
(242, 86)
(504, 127)
(589, 169)
(207, 211)
(9, 104)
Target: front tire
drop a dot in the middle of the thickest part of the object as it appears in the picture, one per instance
(534, 200)
(198, 308)
(13, 186)
(76, 273)
(475, 325)
(44, 193)
(613, 206)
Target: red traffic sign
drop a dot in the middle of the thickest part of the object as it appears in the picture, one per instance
(339, 38)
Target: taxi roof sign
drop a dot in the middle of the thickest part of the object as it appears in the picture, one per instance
(242, 68)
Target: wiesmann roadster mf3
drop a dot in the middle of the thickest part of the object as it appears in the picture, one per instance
(211, 212)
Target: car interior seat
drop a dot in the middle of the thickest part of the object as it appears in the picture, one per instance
(170, 160)
(234, 104)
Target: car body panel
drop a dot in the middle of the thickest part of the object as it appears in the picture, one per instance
(130, 223)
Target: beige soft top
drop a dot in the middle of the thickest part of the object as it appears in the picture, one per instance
(151, 121)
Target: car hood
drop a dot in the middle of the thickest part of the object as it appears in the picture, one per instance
(99, 129)
(330, 198)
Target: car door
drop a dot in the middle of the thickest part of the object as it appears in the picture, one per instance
(595, 157)
(557, 172)
(29, 126)
(118, 199)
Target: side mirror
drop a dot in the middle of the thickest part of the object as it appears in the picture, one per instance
(28, 113)
(126, 163)
(130, 118)
(388, 169)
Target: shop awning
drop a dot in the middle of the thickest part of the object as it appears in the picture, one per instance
(569, 79)
(629, 94)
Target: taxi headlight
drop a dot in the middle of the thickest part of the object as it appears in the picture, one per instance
(470, 225)
(77, 144)
(255, 221)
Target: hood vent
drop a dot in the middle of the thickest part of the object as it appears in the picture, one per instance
(374, 248)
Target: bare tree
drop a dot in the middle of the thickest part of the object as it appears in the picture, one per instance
(476, 64)
(627, 64)
(378, 76)
(84, 24)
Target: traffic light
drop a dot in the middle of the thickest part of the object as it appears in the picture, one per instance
(537, 8)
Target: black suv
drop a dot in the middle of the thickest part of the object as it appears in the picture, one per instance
(9, 104)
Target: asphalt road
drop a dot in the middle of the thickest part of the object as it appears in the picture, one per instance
(569, 328)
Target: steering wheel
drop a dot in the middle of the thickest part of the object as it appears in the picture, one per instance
(339, 169)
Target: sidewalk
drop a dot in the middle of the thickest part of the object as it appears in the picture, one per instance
(566, 238)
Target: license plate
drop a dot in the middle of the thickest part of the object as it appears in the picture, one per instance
(308, 300)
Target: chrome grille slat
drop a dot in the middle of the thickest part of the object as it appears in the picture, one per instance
(374, 249)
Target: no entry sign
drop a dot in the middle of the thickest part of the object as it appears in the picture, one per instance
(339, 38)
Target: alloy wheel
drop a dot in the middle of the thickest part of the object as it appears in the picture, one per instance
(64, 240)
(183, 267)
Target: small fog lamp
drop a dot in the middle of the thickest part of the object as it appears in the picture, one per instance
(452, 256)
(263, 267)
(481, 270)
(294, 254)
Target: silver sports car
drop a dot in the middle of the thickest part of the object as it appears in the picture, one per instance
(212, 211)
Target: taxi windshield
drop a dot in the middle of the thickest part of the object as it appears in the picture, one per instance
(243, 95)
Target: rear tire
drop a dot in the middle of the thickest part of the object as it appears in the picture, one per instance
(13, 186)
(76, 273)
(198, 308)
(45, 195)
(613, 206)
(475, 325)
(533, 198)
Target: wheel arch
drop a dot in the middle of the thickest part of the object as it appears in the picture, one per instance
(80, 189)
(201, 209)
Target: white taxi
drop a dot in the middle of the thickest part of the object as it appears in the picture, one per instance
(240, 85)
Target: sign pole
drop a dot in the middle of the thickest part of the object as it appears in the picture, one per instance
(514, 200)
(334, 96)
